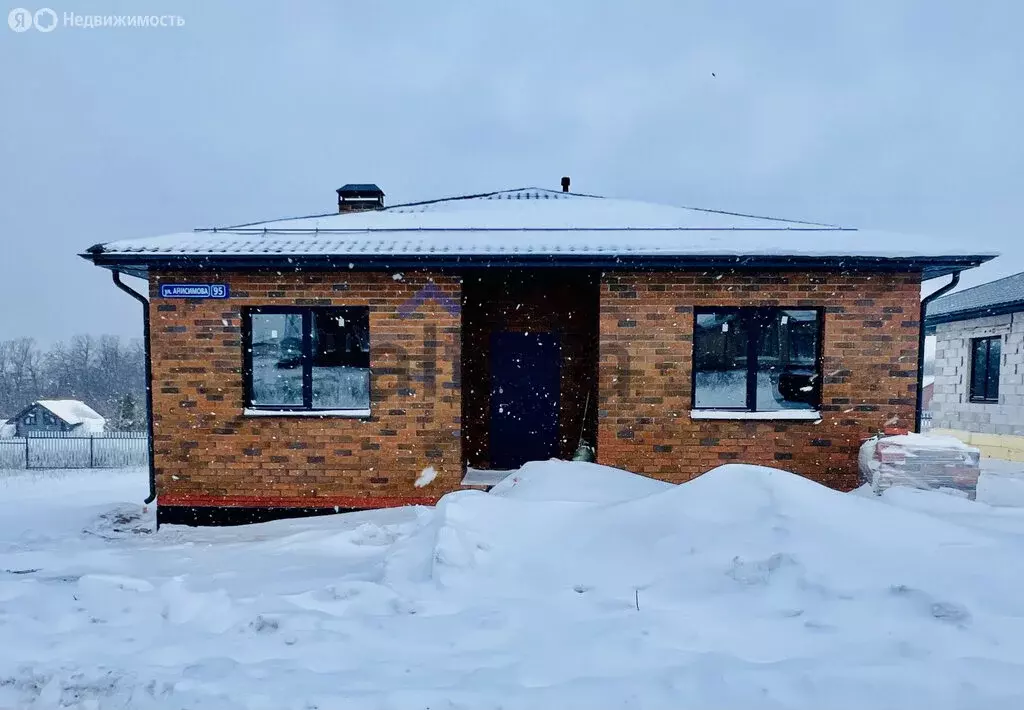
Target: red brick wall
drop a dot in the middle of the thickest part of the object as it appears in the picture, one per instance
(646, 343)
(208, 453)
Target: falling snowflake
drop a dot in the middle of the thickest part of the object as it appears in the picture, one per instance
(426, 477)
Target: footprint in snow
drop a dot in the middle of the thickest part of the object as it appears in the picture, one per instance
(264, 625)
(947, 612)
(818, 626)
(373, 535)
(757, 572)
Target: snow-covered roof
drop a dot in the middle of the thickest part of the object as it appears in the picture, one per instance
(996, 297)
(72, 411)
(533, 225)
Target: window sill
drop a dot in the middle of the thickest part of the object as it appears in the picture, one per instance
(795, 415)
(314, 413)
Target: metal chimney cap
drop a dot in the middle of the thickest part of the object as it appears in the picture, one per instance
(565, 184)
(359, 197)
(360, 189)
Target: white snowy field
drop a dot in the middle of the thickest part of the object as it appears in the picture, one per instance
(570, 586)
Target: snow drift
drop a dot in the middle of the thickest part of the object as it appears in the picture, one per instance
(575, 481)
(570, 585)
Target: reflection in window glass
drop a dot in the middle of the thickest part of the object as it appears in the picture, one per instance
(985, 358)
(720, 361)
(276, 347)
(979, 367)
(992, 379)
(787, 375)
(781, 371)
(341, 358)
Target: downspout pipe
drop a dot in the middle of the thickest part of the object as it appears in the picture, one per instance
(920, 345)
(149, 379)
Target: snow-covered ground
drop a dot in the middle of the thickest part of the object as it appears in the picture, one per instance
(570, 586)
(1001, 482)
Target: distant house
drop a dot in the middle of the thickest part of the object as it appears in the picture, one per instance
(979, 366)
(58, 415)
(7, 429)
(927, 392)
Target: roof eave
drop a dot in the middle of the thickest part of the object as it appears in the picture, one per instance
(140, 264)
(971, 313)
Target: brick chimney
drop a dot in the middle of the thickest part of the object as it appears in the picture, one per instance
(359, 197)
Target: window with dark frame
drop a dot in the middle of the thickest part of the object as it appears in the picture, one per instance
(307, 359)
(986, 354)
(757, 359)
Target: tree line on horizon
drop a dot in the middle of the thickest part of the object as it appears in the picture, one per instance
(105, 372)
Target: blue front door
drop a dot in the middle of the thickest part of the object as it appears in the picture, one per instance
(525, 388)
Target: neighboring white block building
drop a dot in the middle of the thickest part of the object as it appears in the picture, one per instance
(979, 366)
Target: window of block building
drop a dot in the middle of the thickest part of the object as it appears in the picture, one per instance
(312, 359)
(985, 357)
(757, 359)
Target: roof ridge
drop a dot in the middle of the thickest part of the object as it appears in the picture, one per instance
(263, 221)
(758, 216)
(332, 214)
(975, 288)
(558, 192)
(492, 193)
(418, 230)
(453, 198)
(480, 195)
(418, 203)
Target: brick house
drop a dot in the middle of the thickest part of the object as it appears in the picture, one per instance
(979, 366)
(323, 363)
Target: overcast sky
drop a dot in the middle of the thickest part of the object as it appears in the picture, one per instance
(899, 116)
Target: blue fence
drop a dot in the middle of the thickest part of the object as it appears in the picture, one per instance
(109, 450)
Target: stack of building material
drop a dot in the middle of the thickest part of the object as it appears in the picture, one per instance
(918, 461)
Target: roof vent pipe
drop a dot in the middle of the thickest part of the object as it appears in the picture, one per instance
(565, 184)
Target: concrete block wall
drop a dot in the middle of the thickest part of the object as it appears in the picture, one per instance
(951, 406)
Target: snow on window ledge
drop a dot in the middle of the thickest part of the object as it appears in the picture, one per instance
(349, 413)
(803, 415)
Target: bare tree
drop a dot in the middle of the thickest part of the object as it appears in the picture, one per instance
(104, 372)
